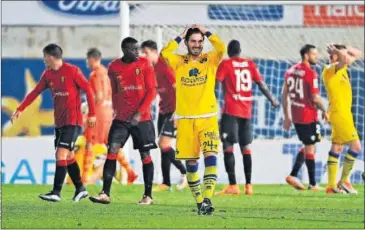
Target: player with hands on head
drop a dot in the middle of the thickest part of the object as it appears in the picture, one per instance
(237, 75)
(337, 79)
(196, 108)
(165, 124)
(133, 84)
(64, 81)
(301, 89)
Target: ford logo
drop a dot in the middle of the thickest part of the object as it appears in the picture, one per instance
(85, 8)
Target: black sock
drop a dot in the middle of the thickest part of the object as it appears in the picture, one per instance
(229, 163)
(109, 172)
(60, 175)
(311, 167)
(177, 163)
(74, 172)
(247, 165)
(148, 171)
(299, 161)
(165, 167)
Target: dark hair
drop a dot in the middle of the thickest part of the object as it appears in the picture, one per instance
(305, 49)
(53, 50)
(128, 40)
(192, 31)
(93, 53)
(234, 48)
(149, 44)
(339, 47)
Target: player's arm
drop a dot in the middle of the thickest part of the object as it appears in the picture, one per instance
(221, 71)
(114, 87)
(263, 87)
(285, 100)
(96, 84)
(316, 97)
(150, 85)
(218, 45)
(82, 82)
(345, 56)
(38, 89)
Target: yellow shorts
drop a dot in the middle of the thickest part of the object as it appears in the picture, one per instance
(343, 129)
(196, 135)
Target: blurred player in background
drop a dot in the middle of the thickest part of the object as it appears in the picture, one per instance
(64, 81)
(237, 75)
(196, 108)
(165, 125)
(338, 86)
(134, 88)
(98, 135)
(301, 88)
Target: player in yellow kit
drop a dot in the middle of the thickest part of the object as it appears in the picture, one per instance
(338, 86)
(196, 108)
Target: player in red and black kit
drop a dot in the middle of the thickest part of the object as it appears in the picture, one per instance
(134, 85)
(64, 81)
(301, 88)
(237, 75)
(165, 125)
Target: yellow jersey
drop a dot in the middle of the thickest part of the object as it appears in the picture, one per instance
(338, 87)
(195, 79)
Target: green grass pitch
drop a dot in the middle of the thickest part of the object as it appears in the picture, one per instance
(272, 206)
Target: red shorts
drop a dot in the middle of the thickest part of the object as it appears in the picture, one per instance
(99, 134)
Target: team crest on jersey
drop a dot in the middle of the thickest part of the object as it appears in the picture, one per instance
(63, 79)
(203, 60)
(137, 71)
(186, 60)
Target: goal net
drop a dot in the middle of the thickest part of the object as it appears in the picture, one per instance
(272, 36)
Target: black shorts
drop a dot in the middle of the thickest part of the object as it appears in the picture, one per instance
(143, 134)
(309, 134)
(235, 129)
(165, 125)
(66, 136)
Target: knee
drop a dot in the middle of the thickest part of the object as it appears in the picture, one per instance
(164, 143)
(246, 150)
(337, 148)
(192, 165)
(113, 148)
(355, 146)
(146, 157)
(62, 154)
(227, 147)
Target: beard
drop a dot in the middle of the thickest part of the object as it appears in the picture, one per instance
(195, 51)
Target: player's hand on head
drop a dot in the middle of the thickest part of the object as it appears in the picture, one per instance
(136, 118)
(91, 122)
(185, 31)
(287, 124)
(15, 116)
(201, 28)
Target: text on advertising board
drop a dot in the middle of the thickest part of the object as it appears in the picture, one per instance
(339, 15)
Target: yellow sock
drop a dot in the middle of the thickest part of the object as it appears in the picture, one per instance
(332, 165)
(194, 182)
(348, 164)
(210, 176)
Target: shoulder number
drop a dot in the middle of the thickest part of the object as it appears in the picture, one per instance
(295, 87)
(243, 80)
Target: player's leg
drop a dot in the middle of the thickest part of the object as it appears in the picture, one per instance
(90, 135)
(209, 144)
(62, 150)
(245, 139)
(123, 162)
(72, 165)
(352, 153)
(143, 136)
(164, 146)
(167, 133)
(293, 180)
(118, 136)
(229, 136)
(338, 138)
(187, 148)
